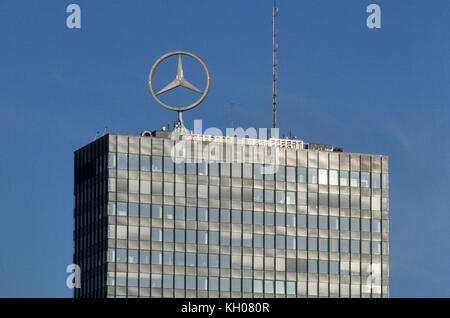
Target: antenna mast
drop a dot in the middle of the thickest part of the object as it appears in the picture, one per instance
(275, 63)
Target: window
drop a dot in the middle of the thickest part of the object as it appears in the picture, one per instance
(168, 165)
(290, 220)
(225, 216)
(202, 237)
(258, 240)
(312, 221)
(280, 173)
(202, 260)
(214, 238)
(168, 212)
(156, 163)
(344, 246)
(225, 170)
(168, 235)
(301, 243)
(179, 167)
(179, 213)
(145, 163)
(334, 223)
(224, 284)
(156, 211)
(290, 242)
(343, 178)
(280, 219)
(247, 285)
(323, 244)
(345, 224)
(202, 168)
(269, 241)
(191, 213)
(122, 161)
(202, 283)
(280, 242)
(179, 281)
(156, 234)
(323, 222)
(290, 174)
(301, 175)
(365, 179)
(365, 225)
(214, 215)
(334, 180)
(269, 196)
(376, 247)
(191, 259)
(134, 162)
(323, 176)
(312, 243)
(280, 197)
(355, 224)
(191, 282)
(179, 258)
(323, 267)
(258, 218)
(301, 221)
(268, 286)
(122, 209)
(269, 218)
(376, 181)
(376, 225)
(214, 169)
(385, 181)
(312, 266)
(279, 287)
(354, 179)
(258, 195)
(236, 216)
(156, 257)
(334, 267)
(355, 246)
(236, 170)
(144, 257)
(191, 168)
(247, 217)
(121, 256)
(312, 175)
(247, 170)
(213, 283)
(168, 258)
(191, 236)
(112, 160)
(202, 214)
(290, 197)
(225, 261)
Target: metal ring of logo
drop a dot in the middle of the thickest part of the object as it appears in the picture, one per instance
(162, 58)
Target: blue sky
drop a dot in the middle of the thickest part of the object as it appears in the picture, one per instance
(380, 91)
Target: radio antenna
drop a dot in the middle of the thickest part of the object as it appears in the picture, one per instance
(275, 63)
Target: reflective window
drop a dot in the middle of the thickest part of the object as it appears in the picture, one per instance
(280, 173)
(269, 241)
(156, 257)
(343, 178)
(344, 246)
(365, 179)
(269, 218)
(247, 217)
(225, 261)
(202, 283)
(355, 224)
(365, 225)
(355, 246)
(334, 267)
(191, 282)
(121, 255)
(280, 241)
(191, 213)
(225, 169)
(156, 163)
(290, 197)
(258, 218)
(247, 171)
(323, 176)
(202, 214)
(334, 179)
(224, 284)
(202, 237)
(323, 244)
(269, 196)
(191, 259)
(258, 240)
(214, 169)
(134, 162)
(257, 286)
(179, 168)
(145, 163)
(179, 258)
(376, 181)
(213, 260)
(191, 168)
(376, 225)
(301, 175)
(168, 165)
(312, 266)
(376, 248)
(290, 242)
(290, 220)
(122, 161)
(202, 168)
(156, 234)
(213, 237)
(202, 260)
(213, 283)
(323, 267)
(122, 209)
(268, 286)
(334, 223)
(312, 243)
(168, 212)
(236, 216)
(258, 195)
(179, 212)
(191, 236)
(385, 181)
(323, 222)
(280, 219)
(280, 197)
(225, 215)
(168, 258)
(301, 243)
(301, 221)
(236, 170)
(312, 221)
(168, 235)
(312, 175)
(179, 281)
(290, 174)
(214, 215)
(345, 224)
(112, 160)
(156, 211)
(354, 179)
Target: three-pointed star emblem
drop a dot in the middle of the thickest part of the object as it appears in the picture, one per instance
(179, 80)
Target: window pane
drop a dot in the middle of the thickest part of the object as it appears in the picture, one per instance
(334, 180)
(354, 179)
(312, 175)
(156, 163)
(365, 179)
(323, 176)
(301, 175)
(145, 163)
(134, 162)
(290, 174)
(343, 178)
(168, 165)
(122, 161)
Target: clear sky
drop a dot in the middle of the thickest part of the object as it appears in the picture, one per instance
(382, 91)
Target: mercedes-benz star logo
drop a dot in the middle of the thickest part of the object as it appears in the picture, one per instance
(179, 80)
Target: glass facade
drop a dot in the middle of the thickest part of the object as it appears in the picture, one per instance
(146, 226)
